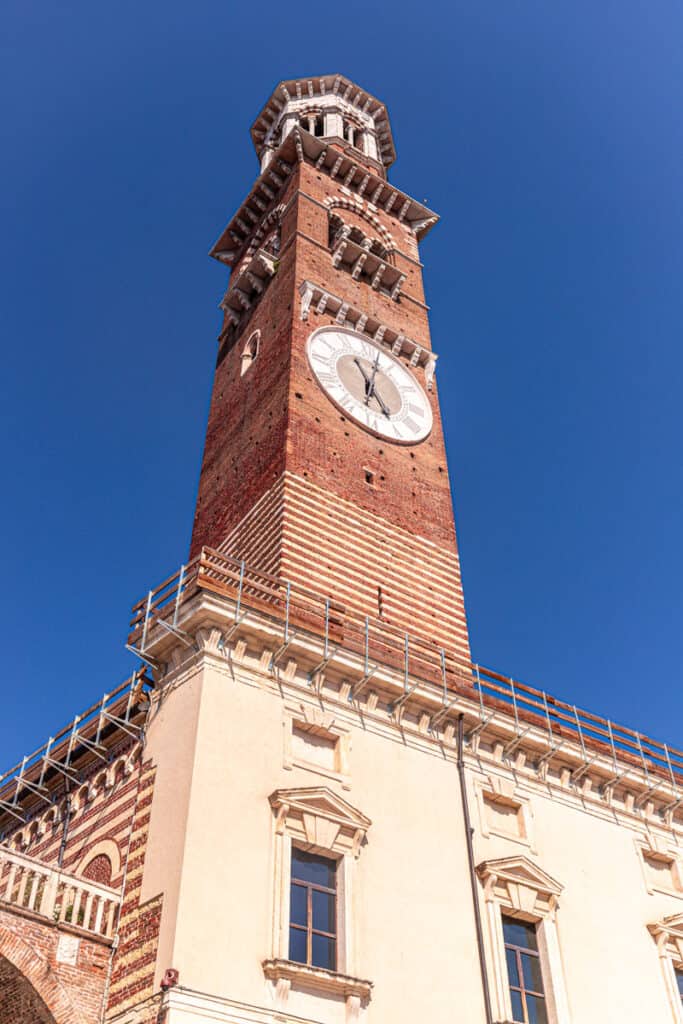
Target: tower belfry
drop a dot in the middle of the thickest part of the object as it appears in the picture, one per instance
(324, 461)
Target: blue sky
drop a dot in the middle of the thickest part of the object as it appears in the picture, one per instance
(549, 137)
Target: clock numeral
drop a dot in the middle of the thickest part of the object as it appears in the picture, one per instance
(417, 410)
(327, 378)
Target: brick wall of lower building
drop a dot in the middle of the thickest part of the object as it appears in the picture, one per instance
(49, 969)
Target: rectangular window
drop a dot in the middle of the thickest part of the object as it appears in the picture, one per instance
(313, 910)
(679, 982)
(524, 972)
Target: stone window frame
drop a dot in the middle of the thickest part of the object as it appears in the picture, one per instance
(517, 887)
(318, 821)
(668, 935)
(250, 352)
(318, 723)
(658, 849)
(497, 789)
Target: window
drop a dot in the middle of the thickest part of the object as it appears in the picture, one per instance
(313, 910)
(524, 972)
(668, 934)
(250, 352)
(527, 979)
(313, 948)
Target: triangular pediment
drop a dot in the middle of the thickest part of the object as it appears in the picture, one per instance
(322, 802)
(520, 871)
(672, 925)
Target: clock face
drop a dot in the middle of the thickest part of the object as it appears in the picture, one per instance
(369, 385)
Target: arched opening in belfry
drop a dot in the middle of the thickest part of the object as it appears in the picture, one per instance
(19, 1001)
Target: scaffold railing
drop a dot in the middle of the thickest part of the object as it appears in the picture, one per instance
(379, 644)
(120, 711)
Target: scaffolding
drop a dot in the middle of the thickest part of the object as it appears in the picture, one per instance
(300, 611)
(70, 752)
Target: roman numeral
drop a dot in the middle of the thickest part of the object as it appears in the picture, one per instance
(327, 378)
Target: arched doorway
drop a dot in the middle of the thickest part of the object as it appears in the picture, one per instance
(19, 1001)
(30, 990)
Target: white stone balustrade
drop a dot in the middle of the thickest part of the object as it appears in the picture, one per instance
(30, 885)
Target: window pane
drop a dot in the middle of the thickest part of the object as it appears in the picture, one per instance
(517, 1011)
(519, 933)
(323, 911)
(513, 973)
(324, 952)
(297, 945)
(531, 968)
(297, 905)
(679, 981)
(309, 868)
(536, 1008)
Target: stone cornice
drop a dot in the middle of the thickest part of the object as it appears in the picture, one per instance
(419, 714)
(355, 176)
(316, 297)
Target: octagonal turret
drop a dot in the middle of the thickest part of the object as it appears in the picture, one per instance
(330, 107)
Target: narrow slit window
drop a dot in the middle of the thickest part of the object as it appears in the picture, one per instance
(679, 982)
(313, 910)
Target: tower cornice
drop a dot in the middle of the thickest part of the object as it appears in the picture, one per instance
(300, 145)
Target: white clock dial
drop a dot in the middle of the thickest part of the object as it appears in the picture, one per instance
(369, 385)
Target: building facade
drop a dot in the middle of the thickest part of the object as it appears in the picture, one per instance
(309, 805)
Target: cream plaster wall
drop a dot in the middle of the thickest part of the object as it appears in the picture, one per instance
(610, 961)
(171, 745)
(217, 740)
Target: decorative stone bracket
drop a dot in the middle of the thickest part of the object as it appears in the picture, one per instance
(350, 316)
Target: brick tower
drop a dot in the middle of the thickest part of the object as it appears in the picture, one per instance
(324, 461)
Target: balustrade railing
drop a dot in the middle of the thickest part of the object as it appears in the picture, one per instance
(28, 884)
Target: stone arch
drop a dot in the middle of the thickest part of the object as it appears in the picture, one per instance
(358, 207)
(104, 848)
(271, 220)
(26, 962)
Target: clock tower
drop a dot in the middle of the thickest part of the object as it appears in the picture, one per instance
(324, 461)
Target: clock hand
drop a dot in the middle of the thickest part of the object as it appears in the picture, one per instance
(370, 392)
(368, 382)
(382, 404)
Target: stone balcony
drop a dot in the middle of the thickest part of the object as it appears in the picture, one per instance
(31, 888)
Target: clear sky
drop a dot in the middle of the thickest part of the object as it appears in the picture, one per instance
(548, 136)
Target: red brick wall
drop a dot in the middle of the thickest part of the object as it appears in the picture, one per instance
(276, 420)
(30, 961)
(111, 807)
(132, 976)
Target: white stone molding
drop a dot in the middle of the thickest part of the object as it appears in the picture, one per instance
(182, 1005)
(350, 316)
(348, 114)
(284, 974)
(362, 209)
(668, 934)
(317, 723)
(319, 820)
(518, 887)
(107, 848)
(660, 863)
(516, 817)
(316, 820)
